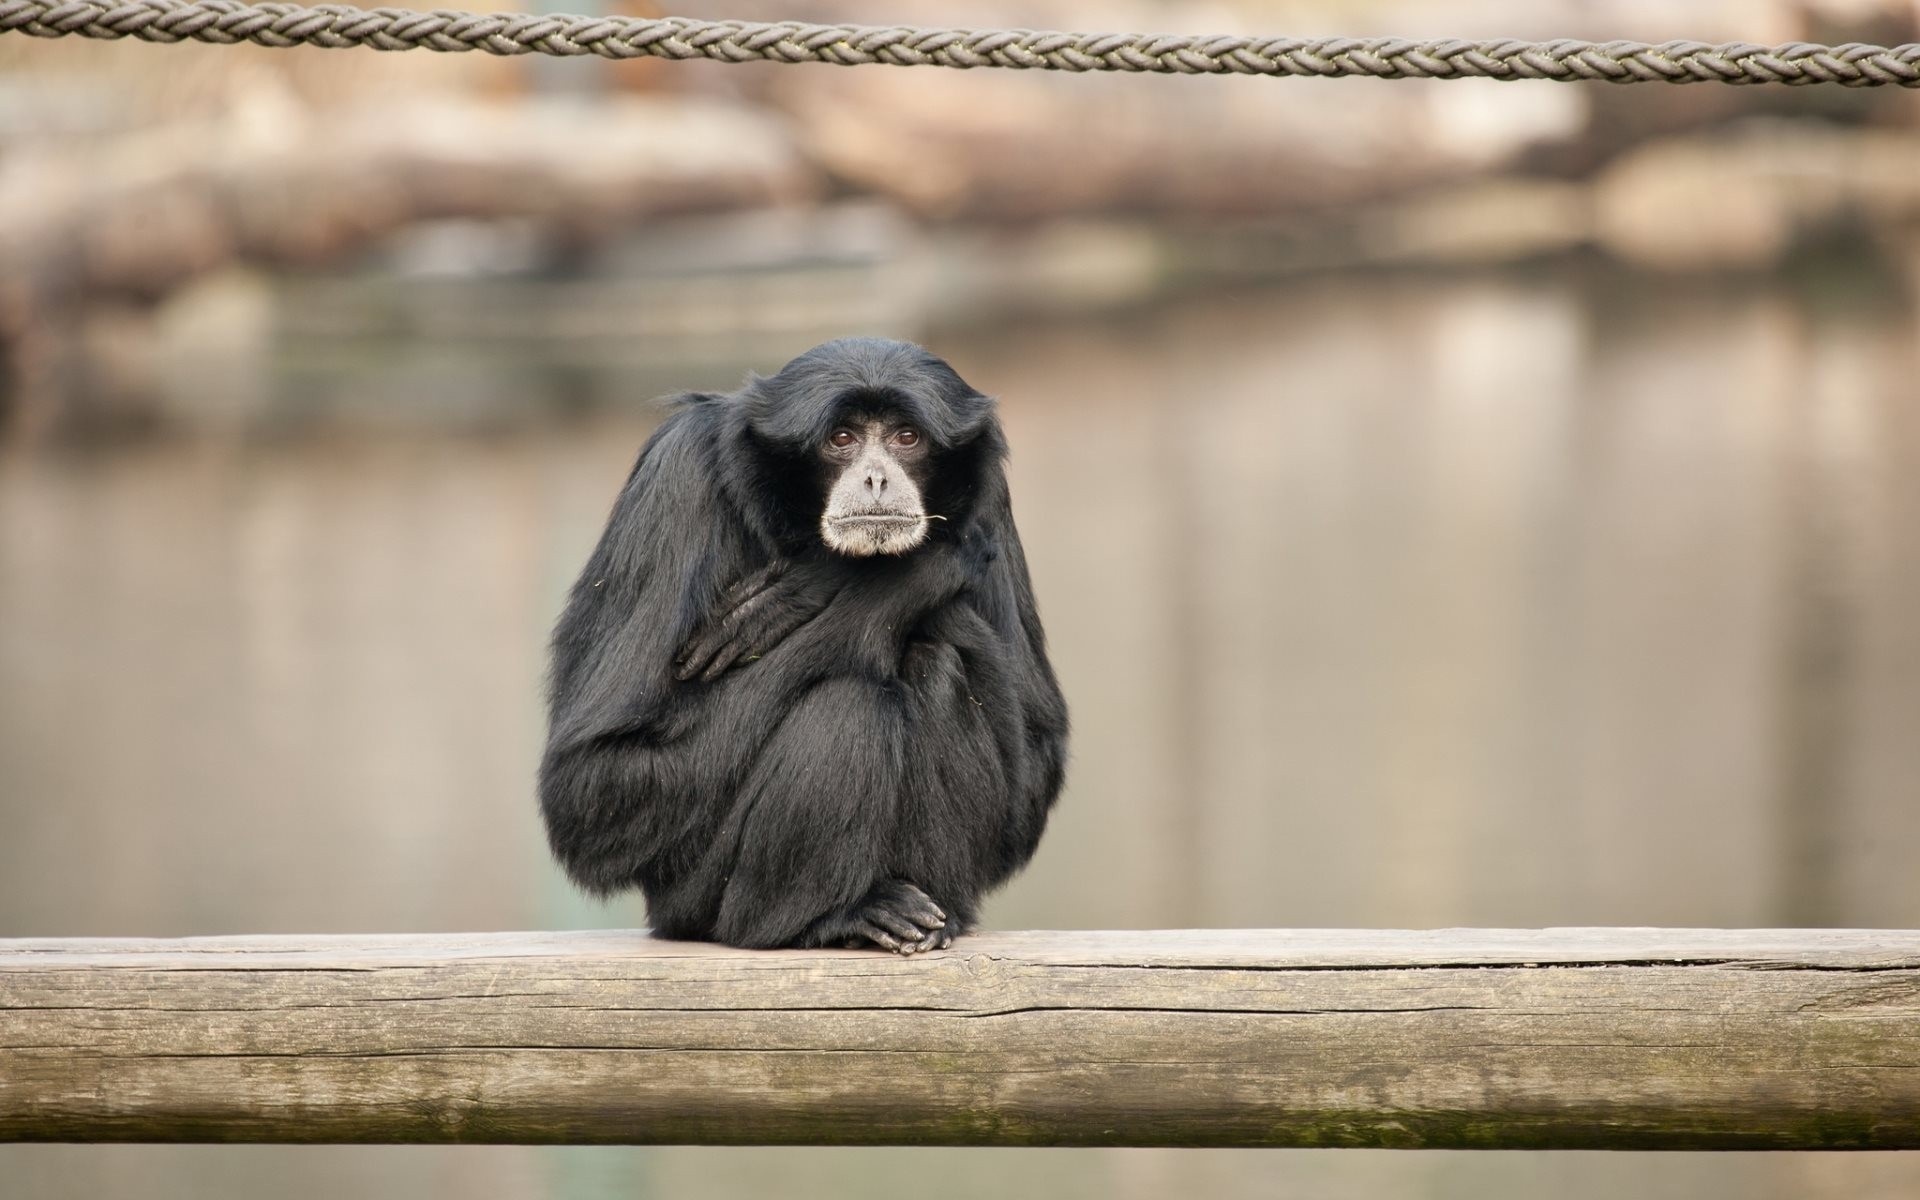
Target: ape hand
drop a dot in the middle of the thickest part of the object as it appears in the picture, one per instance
(756, 614)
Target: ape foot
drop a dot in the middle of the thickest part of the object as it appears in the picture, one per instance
(898, 916)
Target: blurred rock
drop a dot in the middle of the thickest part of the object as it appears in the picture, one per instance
(1002, 146)
(469, 248)
(1743, 198)
(273, 182)
(1014, 146)
(212, 343)
(1487, 221)
(134, 216)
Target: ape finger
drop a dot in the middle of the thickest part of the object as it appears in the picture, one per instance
(745, 590)
(894, 923)
(878, 936)
(921, 907)
(728, 656)
(699, 652)
(717, 650)
(773, 627)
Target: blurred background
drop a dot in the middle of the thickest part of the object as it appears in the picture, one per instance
(1451, 504)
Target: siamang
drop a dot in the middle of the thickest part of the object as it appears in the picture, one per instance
(800, 695)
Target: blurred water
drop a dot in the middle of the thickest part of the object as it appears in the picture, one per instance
(1519, 600)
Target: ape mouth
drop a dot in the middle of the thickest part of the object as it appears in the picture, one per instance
(864, 535)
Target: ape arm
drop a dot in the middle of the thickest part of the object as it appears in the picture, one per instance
(1003, 599)
(609, 801)
(859, 614)
(672, 545)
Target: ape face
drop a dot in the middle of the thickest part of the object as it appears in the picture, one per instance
(861, 443)
(874, 467)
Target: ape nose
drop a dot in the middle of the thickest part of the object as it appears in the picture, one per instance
(876, 482)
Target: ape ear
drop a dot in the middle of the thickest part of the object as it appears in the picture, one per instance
(957, 415)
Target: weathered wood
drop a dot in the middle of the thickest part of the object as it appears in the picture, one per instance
(1610, 1038)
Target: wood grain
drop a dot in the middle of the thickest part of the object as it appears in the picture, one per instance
(1566, 1038)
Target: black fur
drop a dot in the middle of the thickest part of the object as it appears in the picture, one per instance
(875, 731)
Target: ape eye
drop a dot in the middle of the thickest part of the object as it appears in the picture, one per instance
(907, 437)
(841, 438)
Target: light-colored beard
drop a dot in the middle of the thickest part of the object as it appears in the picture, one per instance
(863, 535)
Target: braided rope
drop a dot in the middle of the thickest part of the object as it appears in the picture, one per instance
(337, 26)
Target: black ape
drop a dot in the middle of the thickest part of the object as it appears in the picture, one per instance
(800, 695)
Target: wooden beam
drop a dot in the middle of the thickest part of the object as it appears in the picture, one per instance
(1568, 1038)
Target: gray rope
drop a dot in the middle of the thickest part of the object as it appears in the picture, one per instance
(336, 26)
